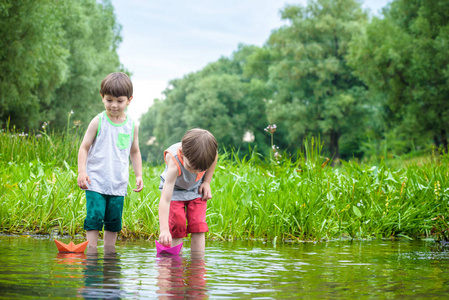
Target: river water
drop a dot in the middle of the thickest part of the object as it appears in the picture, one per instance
(31, 267)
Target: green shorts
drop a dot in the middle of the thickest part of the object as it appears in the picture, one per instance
(103, 209)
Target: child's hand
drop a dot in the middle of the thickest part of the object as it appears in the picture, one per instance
(165, 238)
(205, 190)
(83, 179)
(139, 184)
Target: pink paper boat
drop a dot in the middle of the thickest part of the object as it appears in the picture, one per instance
(168, 250)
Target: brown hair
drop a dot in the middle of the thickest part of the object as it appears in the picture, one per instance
(117, 84)
(199, 146)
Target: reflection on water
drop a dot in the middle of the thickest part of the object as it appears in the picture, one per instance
(179, 278)
(102, 275)
(31, 268)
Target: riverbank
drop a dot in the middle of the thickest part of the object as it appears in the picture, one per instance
(252, 198)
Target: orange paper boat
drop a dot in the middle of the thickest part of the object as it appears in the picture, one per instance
(71, 247)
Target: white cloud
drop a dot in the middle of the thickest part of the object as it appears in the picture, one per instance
(145, 91)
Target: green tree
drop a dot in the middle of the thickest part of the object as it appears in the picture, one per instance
(92, 38)
(315, 91)
(218, 104)
(53, 56)
(218, 98)
(151, 149)
(404, 57)
(33, 59)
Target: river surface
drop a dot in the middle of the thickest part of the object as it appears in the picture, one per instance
(31, 267)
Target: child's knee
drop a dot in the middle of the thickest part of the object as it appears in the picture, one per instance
(113, 214)
(113, 226)
(94, 219)
(177, 220)
(95, 206)
(200, 227)
(178, 228)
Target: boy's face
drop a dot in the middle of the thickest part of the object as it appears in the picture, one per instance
(115, 106)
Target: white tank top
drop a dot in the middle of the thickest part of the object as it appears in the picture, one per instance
(108, 157)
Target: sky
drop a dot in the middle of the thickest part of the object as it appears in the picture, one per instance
(165, 40)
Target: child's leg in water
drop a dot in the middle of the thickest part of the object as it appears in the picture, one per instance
(92, 237)
(198, 242)
(176, 242)
(109, 238)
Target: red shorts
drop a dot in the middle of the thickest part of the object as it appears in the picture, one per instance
(194, 211)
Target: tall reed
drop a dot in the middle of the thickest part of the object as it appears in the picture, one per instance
(310, 200)
(304, 198)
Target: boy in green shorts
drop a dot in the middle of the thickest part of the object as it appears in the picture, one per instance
(103, 160)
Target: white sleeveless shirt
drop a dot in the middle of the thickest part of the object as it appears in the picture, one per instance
(108, 157)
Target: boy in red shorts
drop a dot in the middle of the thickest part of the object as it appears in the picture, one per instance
(185, 185)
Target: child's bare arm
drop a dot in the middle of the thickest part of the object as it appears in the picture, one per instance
(205, 186)
(88, 139)
(136, 160)
(165, 237)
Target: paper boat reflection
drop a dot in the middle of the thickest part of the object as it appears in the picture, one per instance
(71, 247)
(168, 250)
(70, 257)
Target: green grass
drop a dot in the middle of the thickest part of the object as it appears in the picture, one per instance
(253, 198)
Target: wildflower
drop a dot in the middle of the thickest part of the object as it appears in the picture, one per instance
(248, 137)
(437, 188)
(277, 155)
(77, 123)
(71, 112)
(271, 128)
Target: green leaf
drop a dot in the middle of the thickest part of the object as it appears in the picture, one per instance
(356, 211)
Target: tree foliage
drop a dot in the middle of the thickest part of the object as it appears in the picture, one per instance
(53, 55)
(315, 90)
(364, 85)
(218, 98)
(403, 56)
(33, 58)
